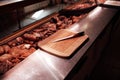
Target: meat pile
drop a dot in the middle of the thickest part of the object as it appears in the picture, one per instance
(80, 6)
(83, 5)
(18, 49)
(11, 55)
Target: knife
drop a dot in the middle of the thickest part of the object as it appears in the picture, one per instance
(69, 37)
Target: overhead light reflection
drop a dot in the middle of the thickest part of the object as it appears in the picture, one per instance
(50, 63)
(78, 28)
(94, 13)
(37, 14)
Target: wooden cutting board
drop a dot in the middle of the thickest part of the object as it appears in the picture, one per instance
(62, 48)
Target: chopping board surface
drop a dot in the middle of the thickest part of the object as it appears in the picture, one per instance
(62, 48)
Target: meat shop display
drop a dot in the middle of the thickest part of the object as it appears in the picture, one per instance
(16, 50)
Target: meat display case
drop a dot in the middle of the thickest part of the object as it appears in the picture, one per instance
(46, 66)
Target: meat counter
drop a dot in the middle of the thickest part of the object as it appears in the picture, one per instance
(41, 65)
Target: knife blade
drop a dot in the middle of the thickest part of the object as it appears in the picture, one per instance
(69, 37)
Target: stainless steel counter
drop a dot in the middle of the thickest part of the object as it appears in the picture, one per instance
(43, 66)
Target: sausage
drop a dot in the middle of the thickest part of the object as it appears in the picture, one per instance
(38, 30)
(5, 63)
(24, 46)
(19, 39)
(5, 66)
(27, 52)
(36, 34)
(51, 27)
(5, 57)
(14, 51)
(30, 37)
(1, 50)
(12, 43)
(75, 20)
(6, 48)
(70, 22)
(59, 23)
(63, 26)
(28, 42)
(15, 61)
(65, 20)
